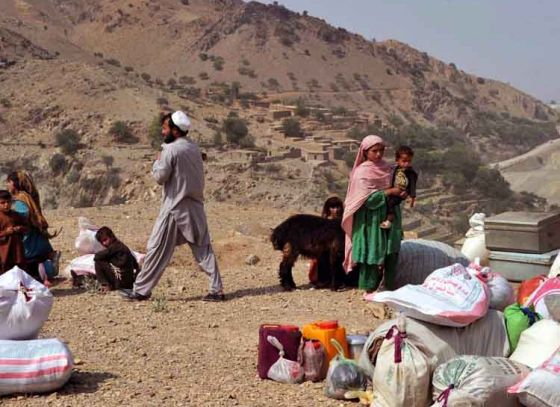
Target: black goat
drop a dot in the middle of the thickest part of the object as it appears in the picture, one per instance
(312, 237)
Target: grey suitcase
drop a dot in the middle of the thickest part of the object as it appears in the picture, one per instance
(528, 232)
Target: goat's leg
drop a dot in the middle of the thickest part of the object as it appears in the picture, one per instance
(289, 258)
(336, 258)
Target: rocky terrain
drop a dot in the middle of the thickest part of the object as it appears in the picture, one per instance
(81, 86)
(177, 350)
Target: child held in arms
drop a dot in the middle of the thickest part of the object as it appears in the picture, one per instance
(404, 177)
(115, 267)
(12, 228)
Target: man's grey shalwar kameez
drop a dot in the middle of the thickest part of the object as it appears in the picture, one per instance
(181, 218)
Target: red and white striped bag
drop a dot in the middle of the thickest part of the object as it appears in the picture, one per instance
(35, 366)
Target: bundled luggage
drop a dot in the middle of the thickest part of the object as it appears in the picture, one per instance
(450, 296)
(541, 387)
(35, 366)
(25, 305)
(402, 373)
(472, 381)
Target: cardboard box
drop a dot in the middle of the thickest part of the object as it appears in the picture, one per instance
(529, 232)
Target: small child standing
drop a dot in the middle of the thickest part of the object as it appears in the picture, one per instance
(404, 177)
(115, 267)
(12, 228)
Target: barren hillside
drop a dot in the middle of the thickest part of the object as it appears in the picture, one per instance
(82, 66)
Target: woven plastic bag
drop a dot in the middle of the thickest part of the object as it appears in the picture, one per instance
(450, 296)
(473, 381)
(344, 375)
(35, 366)
(402, 373)
(284, 370)
(25, 305)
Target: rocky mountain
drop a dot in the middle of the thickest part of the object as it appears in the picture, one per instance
(83, 65)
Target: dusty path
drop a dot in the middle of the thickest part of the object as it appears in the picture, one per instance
(177, 350)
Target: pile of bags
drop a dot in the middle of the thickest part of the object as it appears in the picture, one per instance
(87, 245)
(28, 365)
(462, 339)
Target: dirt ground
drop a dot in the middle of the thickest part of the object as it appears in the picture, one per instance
(176, 350)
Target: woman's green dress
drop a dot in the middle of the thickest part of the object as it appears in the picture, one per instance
(373, 246)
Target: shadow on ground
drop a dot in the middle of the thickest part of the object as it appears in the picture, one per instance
(85, 382)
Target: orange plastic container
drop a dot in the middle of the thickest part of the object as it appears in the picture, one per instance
(324, 331)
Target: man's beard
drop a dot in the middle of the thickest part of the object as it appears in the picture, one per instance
(169, 139)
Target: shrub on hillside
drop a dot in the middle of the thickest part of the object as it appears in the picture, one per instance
(243, 70)
(291, 127)
(203, 76)
(234, 128)
(68, 140)
(146, 76)
(5, 102)
(217, 139)
(57, 163)
(113, 61)
(301, 109)
(154, 132)
(121, 133)
(218, 63)
(187, 80)
(108, 160)
(171, 82)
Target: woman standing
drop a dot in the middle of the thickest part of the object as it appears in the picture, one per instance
(374, 251)
(37, 248)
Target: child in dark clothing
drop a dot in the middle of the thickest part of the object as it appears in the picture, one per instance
(12, 228)
(404, 177)
(115, 267)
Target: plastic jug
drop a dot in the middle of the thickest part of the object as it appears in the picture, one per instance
(324, 331)
(290, 338)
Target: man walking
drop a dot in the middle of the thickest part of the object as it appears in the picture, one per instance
(181, 218)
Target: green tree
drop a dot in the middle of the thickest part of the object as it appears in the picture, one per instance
(301, 109)
(121, 133)
(291, 127)
(154, 133)
(234, 128)
(68, 140)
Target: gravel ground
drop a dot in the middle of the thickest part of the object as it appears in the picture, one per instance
(175, 349)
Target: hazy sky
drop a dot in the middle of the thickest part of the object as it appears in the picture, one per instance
(515, 41)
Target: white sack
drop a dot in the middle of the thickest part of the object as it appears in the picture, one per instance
(402, 374)
(474, 245)
(475, 381)
(537, 343)
(25, 305)
(450, 296)
(36, 366)
(85, 242)
(485, 337)
(85, 265)
(541, 388)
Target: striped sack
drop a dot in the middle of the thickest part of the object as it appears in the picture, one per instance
(34, 366)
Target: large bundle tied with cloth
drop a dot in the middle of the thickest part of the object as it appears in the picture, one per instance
(473, 381)
(25, 305)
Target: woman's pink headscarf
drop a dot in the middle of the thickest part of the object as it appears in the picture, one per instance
(366, 178)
